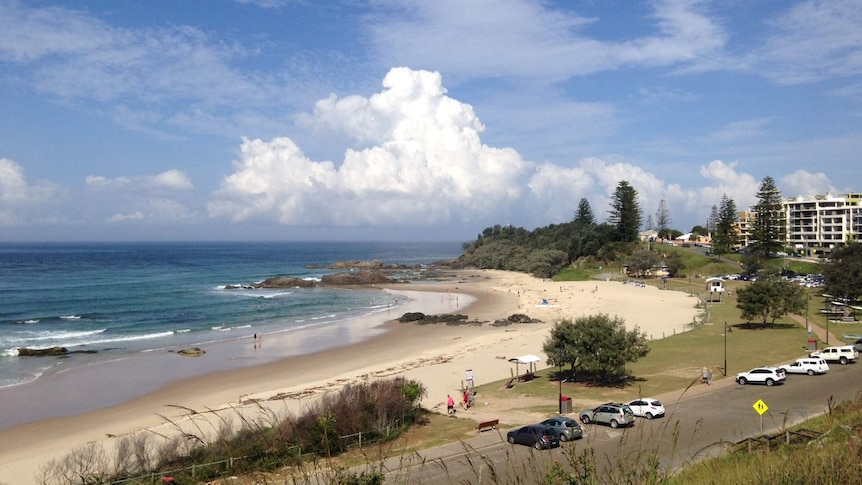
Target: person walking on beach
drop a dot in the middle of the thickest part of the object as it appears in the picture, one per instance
(450, 404)
(704, 376)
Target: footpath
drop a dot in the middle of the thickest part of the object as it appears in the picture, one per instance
(818, 331)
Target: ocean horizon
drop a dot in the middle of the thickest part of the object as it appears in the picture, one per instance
(108, 301)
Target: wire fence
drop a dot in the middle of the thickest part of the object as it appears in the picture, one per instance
(355, 440)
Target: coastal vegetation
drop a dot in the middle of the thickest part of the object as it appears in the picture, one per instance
(366, 413)
(544, 251)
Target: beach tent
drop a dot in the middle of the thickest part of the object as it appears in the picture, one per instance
(529, 360)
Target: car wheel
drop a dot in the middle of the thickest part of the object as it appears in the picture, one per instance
(585, 419)
(538, 445)
(843, 361)
(563, 437)
(810, 372)
(769, 382)
(648, 415)
(511, 439)
(614, 423)
(742, 380)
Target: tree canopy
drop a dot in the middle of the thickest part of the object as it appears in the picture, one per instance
(625, 213)
(843, 274)
(768, 229)
(584, 215)
(662, 217)
(596, 346)
(725, 238)
(768, 300)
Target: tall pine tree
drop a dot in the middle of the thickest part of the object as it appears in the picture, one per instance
(584, 216)
(769, 229)
(662, 218)
(725, 238)
(625, 213)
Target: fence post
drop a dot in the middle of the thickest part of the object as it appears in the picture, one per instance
(787, 437)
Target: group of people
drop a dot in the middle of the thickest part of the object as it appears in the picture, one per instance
(466, 401)
(706, 376)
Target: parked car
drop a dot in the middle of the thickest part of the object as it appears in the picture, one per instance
(809, 365)
(762, 375)
(567, 428)
(538, 436)
(647, 407)
(613, 414)
(857, 345)
(843, 355)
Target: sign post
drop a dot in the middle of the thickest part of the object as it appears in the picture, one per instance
(761, 408)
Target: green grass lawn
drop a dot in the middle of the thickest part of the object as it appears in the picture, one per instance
(674, 362)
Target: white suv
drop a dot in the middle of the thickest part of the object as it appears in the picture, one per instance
(762, 375)
(842, 355)
(808, 365)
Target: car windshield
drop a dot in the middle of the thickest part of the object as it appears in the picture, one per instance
(656, 403)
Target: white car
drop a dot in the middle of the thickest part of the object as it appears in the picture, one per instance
(809, 365)
(762, 375)
(647, 407)
(842, 355)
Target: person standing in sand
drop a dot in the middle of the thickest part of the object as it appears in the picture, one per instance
(450, 404)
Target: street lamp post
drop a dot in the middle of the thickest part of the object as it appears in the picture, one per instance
(560, 402)
(725, 348)
(560, 358)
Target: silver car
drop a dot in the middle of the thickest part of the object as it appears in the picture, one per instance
(612, 414)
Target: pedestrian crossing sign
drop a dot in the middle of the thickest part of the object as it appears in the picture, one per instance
(760, 407)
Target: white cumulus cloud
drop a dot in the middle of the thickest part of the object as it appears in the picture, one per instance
(424, 163)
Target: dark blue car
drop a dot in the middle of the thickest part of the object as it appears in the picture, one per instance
(538, 436)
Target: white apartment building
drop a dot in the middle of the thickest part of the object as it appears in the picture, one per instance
(816, 225)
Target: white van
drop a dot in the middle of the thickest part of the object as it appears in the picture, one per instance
(808, 365)
(842, 355)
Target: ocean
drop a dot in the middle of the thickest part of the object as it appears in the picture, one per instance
(121, 299)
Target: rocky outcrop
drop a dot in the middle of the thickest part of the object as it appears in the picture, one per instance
(515, 318)
(286, 282)
(373, 264)
(420, 318)
(521, 318)
(50, 351)
(191, 352)
(363, 277)
(366, 277)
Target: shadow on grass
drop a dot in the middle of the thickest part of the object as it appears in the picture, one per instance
(761, 326)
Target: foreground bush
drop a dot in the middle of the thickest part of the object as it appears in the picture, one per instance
(369, 412)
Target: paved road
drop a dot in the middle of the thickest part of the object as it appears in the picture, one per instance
(698, 424)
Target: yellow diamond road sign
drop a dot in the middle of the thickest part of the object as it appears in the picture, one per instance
(760, 407)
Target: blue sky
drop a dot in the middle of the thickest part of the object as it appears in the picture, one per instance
(403, 120)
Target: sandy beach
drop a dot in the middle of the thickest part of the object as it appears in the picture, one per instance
(436, 355)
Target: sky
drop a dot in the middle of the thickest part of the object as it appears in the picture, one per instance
(399, 120)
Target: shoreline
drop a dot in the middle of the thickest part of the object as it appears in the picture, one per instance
(435, 355)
